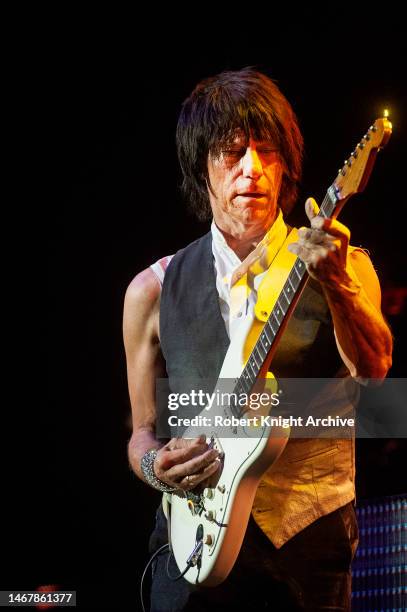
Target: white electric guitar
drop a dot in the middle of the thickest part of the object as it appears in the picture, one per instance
(207, 527)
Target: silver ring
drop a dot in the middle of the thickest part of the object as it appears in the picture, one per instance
(187, 478)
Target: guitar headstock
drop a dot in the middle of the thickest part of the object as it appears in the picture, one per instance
(354, 174)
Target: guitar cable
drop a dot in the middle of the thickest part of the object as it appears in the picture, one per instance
(157, 552)
(193, 560)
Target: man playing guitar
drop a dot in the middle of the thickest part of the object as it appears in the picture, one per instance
(240, 151)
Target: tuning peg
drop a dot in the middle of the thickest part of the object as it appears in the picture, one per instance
(361, 145)
(374, 128)
(366, 136)
(354, 154)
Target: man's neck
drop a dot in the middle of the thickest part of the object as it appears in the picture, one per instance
(242, 246)
(243, 240)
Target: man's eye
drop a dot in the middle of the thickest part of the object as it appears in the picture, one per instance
(233, 152)
(266, 150)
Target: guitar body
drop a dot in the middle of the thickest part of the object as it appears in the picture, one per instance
(247, 452)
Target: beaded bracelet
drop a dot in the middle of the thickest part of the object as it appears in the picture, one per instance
(147, 467)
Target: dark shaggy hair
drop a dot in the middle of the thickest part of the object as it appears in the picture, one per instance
(244, 99)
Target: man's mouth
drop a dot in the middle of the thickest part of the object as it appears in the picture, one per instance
(252, 194)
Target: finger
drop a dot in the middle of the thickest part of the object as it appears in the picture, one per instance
(198, 443)
(328, 242)
(314, 236)
(192, 466)
(302, 252)
(311, 208)
(191, 481)
(167, 459)
(332, 227)
(184, 442)
(309, 255)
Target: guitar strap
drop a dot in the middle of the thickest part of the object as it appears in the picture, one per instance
(264, 271)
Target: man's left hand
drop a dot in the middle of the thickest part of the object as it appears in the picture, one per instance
(323, 247)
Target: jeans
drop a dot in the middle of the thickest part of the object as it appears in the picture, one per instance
(309, 572)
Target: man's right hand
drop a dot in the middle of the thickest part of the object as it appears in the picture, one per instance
(184, 464)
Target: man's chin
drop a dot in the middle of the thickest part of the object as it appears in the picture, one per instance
(253, 214)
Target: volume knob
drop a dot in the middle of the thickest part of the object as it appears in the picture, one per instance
(209, 539)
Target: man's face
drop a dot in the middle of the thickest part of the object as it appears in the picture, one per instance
(244, 183)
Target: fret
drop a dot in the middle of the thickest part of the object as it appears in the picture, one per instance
(297, 272)
(243, 383)
(292, 281)
(330, 201)
(259, 347)
(271, 327)
(301, 267)
(238, 388)
(253, 370)
(265, 341)
(254, 361)
(283, 304)
(266, 334)
(332, 195)
(287, 292)
(277, 313)
(247, 374)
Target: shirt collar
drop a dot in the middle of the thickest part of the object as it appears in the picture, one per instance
(261, 257)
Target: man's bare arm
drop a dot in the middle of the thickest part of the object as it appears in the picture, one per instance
(144, 361)
(178, 458)
(352, 290)
(363, 337)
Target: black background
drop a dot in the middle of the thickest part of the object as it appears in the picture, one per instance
(110, 104)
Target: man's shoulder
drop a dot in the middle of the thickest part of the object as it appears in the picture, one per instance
(144, 290)
(141, 307)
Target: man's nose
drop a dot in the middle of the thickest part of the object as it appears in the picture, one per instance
(252, 167)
